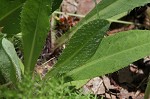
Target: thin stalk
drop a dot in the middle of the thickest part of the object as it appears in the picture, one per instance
(147, 92)
(53, 34)
(70, 14)
(67, 36)
(5, 85)
(119, 21)
(47, 61)
(82, 16)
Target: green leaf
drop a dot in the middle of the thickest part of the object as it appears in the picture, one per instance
(35, 27)
(81, 47)
(9, 61)
(21, 66)
(147, 91)
(56, 4)
(107, 9)
(77, 84)
(114, 53)
(10, 16)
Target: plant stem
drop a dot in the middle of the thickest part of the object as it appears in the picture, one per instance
(82, 16)
(66, 37)
(119, 21)
(5, 85)
(52, 34)
(70, 14)
(147, 92)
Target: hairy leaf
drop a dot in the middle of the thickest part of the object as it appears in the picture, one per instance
(107, 9)
(10, 16)
(114, 53)
(9, 61)
(35, 27)
(81, 47)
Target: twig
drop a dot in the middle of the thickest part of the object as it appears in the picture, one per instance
(70, 14)
(48, 61)
(5, 85)
(141, 82)
(82, 16)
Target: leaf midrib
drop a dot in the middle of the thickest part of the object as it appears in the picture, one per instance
(10, 12)
(34, 37)
(63, 40)
(103, 58)
(78, 26)
(62, 64)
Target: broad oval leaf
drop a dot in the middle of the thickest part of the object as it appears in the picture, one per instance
(81, 47)
(114, 53)
(107, 9)
(9, 61)
(10, 16)
(35, 26)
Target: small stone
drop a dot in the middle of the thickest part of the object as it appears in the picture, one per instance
(133, 68)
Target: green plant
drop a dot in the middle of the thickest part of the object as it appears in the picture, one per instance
(42, 90)
(87, 50)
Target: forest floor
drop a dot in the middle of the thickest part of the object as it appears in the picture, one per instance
(127, 83)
